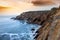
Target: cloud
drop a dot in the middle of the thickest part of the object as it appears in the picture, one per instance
(3, 8)
(10, 6)
(41, 2)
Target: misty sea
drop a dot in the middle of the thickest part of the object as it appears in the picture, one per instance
(11, 29)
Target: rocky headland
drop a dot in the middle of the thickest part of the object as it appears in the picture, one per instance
(36, 17)
(49, 21)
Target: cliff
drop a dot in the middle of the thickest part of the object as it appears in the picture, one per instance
(48, 19)
(50, 31)
(36, 17)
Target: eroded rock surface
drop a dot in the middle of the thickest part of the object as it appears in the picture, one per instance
(50, 31)
(49, 20)
(37, 17)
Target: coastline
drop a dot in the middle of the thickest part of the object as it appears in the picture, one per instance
(44, 18)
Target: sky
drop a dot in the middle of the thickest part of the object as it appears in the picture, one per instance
(45, 1)
(12, 7)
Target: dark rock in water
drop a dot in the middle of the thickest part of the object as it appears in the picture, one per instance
(13, 18)
(32, 29)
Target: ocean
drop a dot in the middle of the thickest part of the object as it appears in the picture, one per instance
(11, 29)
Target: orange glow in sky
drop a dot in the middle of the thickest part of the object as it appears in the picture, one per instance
(3, 8)
(8, 7)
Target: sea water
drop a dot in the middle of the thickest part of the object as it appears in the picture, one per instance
(11, 29)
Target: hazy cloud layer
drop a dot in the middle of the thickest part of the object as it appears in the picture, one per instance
(43, 2)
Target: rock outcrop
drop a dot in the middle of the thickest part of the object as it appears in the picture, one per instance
(51, 28)
(49, 20)
(37, 17)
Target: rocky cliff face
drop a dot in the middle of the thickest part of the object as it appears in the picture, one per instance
(49, 20)
(50, 31)
(37, 17)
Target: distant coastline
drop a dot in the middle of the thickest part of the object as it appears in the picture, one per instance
(39, 17)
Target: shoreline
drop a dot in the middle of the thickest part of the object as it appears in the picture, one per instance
(44, 18)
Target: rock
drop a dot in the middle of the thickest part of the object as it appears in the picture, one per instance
(36, 17)
(47, 19)
(13, 18)
(50, 30)
(32, 29)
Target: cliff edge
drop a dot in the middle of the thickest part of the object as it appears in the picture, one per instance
(48, 19)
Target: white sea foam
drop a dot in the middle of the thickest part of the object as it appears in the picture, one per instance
(16, 30)
(17, 36)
